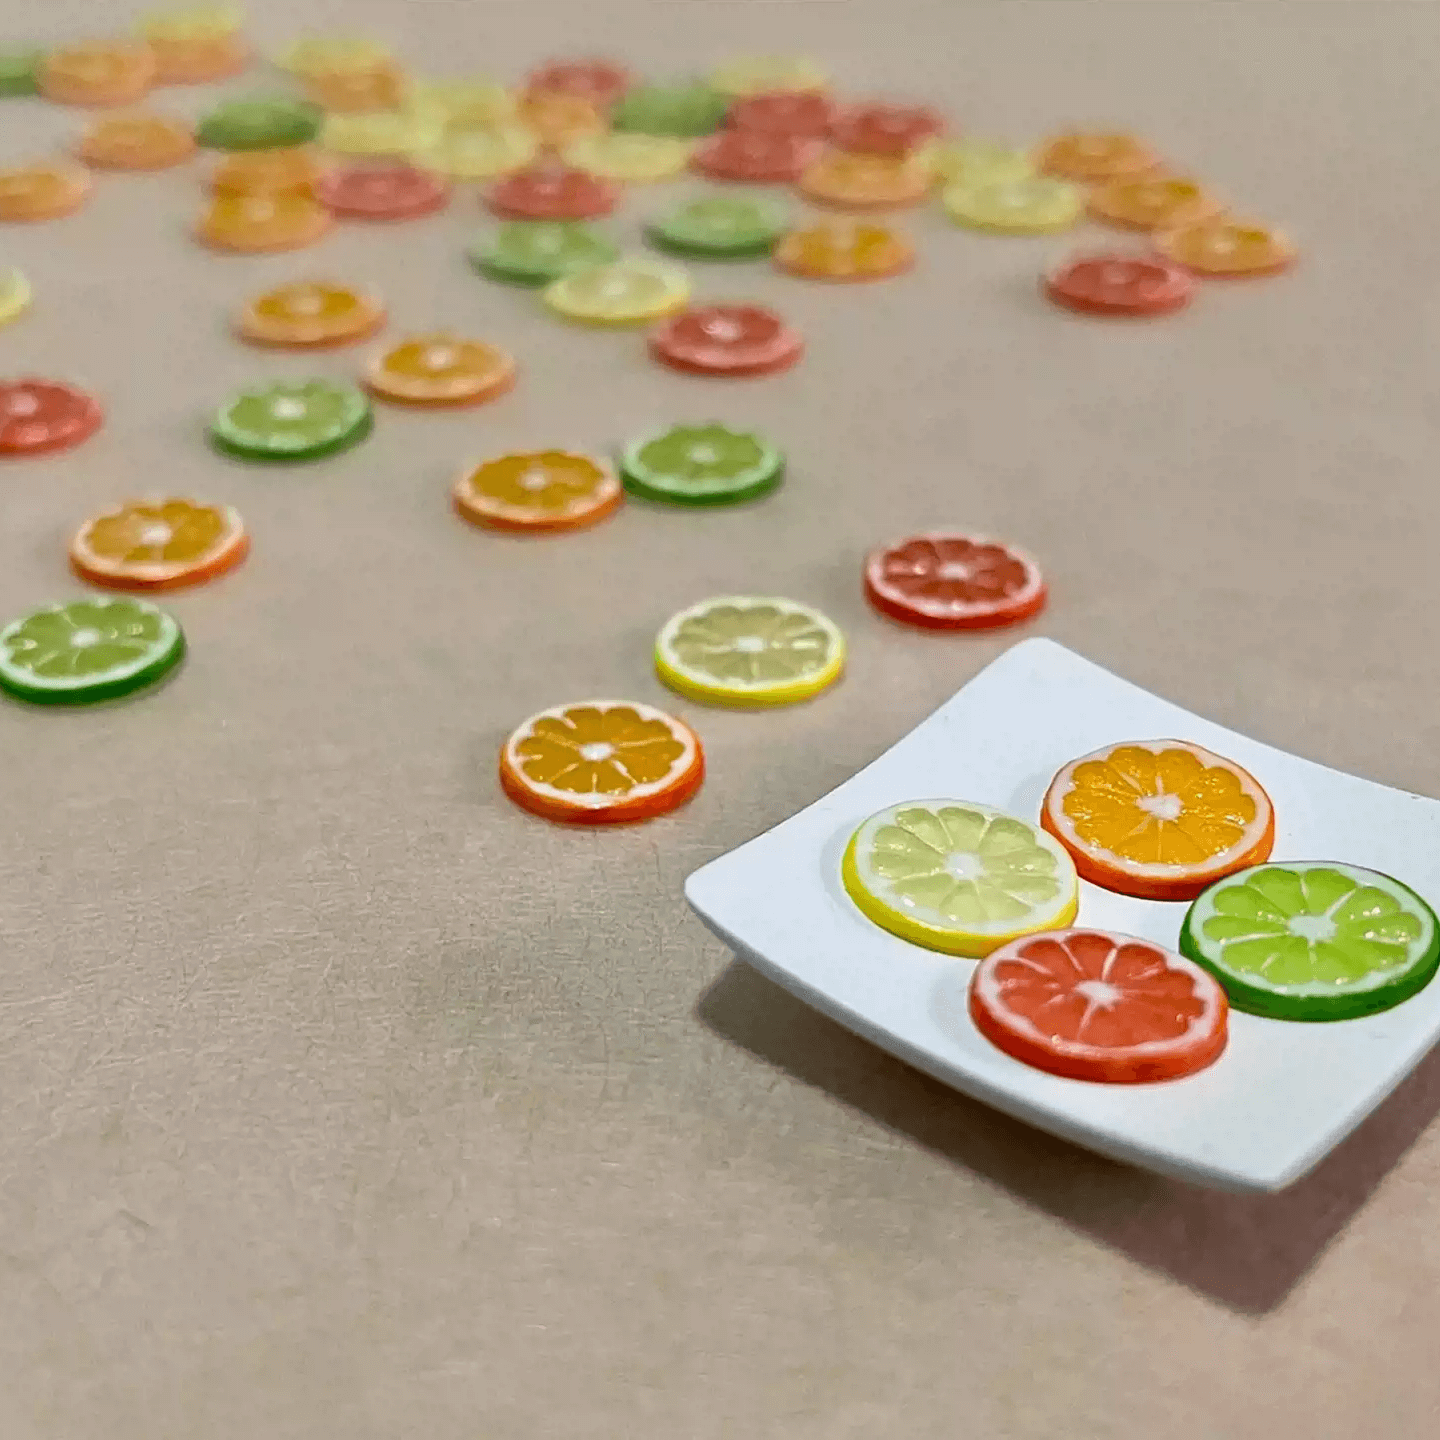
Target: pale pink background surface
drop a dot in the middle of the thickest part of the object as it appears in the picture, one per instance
(342, 1099)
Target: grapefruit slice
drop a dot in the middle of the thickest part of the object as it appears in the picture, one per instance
(1092, 1005)
(1161, 819)
(950, 581)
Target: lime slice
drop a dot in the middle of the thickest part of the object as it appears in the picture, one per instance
(749, 650)
(535, 252)
(1313, 940)
(87, 650)
(14, 295)
(684, 110)
(625, 292)
(958, 877)
(701, 465)
(259, 123)
(292, 420)
(720, 227)
(18, 71)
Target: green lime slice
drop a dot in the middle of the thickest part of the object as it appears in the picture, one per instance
(535, 252)
(701, 465)
(684, 110)
(87, 650)
(1313, 940)
(261, 122)
(292, 420)
(720, 226)
(18, 70)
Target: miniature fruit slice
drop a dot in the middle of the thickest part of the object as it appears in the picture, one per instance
(1162, 202)
(1093, 1005)
(136, 142)
(38, 417)
(747, 650)
(292, 420)
(159, 544)
(252, 224)
(1159, 818)
(866, 181)
(1037, 206)
(625, 292)
(1227, 247)
(954, 876)
(87, 650)
(1313, 940)
(267, 172)
(701, 465)
(441, 370)
(719, 226)
(1097, 157)
(727, 340)
(535, 252)
(14, 295)
(307, 313)
(746, 75)
(954, 582)
(844, 251)
(538, 490)
(631, 158)
(602, 762)
(42, 192)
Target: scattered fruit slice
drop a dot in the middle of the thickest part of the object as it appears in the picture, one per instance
(87, 650)
(97, 73)
(535, 252)
(865, 181)
(538, 490)
(1091, 157)
(805, 115)
(42, 192)
(602, 762)
(441, 370)
(720, 227)
(159, 545)
(14, 295)
(136, 142)
(310, 314)
(381, 192)
(634, 158)
(625, 292)
(884, 129)
(1118, 284)
(292, 420)
(1093, 1005)
(331, 54)
(476, 104)
(686, 111)
(379, 132)
(41, 416)
(1160, 202)
(191, 22)
(552, 192)
(1014, 207)
(1313, 940)
(267, 172)
(756, 157)
(354, 92)
(260, 122)
(978, 162)
(701, 465)
(480, 154)
(749, 651)
(251, 224)
(558, 118)
(727, 340)
(19, 72)
(954, 876)
(198, 61)
(766, 74)
(844, 251)
(1228, 247)
(600, 81)
(1159, 818)
(950, 581)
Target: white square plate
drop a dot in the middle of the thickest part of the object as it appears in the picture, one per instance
(1281, 1095)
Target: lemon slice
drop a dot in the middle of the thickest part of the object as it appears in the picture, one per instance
(627, 292)
(633, 158)
(749, 650)
(379, 132)
(481, 154)
(14, 295)
(954, 876)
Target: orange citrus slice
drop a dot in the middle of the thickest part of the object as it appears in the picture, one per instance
(602, 762)
(158, 545)
(538, 490)
(441, 370)
(557, 118)
(1159, 202)
(1094, 157)
(254, 223)
(1227, 247)
(99, 73)
(309, 314)
(867, 182)
(267, 172)
(136, 142)
(843, 250)
(198, 59)
(355, 91)
(41, 192)
(1159, 818)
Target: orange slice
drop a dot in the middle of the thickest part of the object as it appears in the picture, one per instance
(538, 490)
(255, 223)
(1159, 202)
(267, 172)
(198, 59)
(1159, 818)
(1228, 247)
(557, 118)
(843, 250)
(41, 192)
(354, 91)
(1094, 157)
(866, 182)
(602, 762)
(441, 370)
(310, 315)
(99, 73)
(158, 545)
(137, 141)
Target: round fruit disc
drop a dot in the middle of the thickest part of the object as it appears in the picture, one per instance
(1090, 158)
(601, 762)
(198, 61)
(136, 142)
(759, 157)
(598, 81)
(39, 416)
(727, 340)
(292, 420)
(42, 192)
(14, 295)
(683, 110)
(630, 157)
(97, 74)
(767, 74)
(463, 105)
(259, 123)
(701, 465)
(552, 193)
(250, 224)
(884, 129)
(1015, 207)
(267, 172)
(88, 650)
(1161, 203)
(958, 877)
(351, 92)
(948, 581)
(1093, 1005)
(308, 314)
(535, 252)
(719, 227)
(804, 116)
(1161, 819)
(480, 154)
(1114, 284)
(1313, 941)
(557, 118)
(159, 545)
(331, 54)
(381, 132)
(978, 162)
(191, 22)
(866, 182)
(381, 192)
(1227, 247)
(627, 292)
(19, 70)
(844, 251)
(441, 370)
(749, 651)
(538, 490)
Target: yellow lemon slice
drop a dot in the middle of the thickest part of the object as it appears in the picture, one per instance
(977, 162)
(479, 154)
(332, 54)
(378, 132)
(630, 156)
(627, 292)
(200, 22)
(768, 74)
(958, 877)
(748, 650)
(463, 104)
(14, 295)
(1015, 207)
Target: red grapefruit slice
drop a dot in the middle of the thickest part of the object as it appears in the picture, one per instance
(950, 581)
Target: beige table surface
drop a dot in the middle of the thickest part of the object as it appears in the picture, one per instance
(342, 1099)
